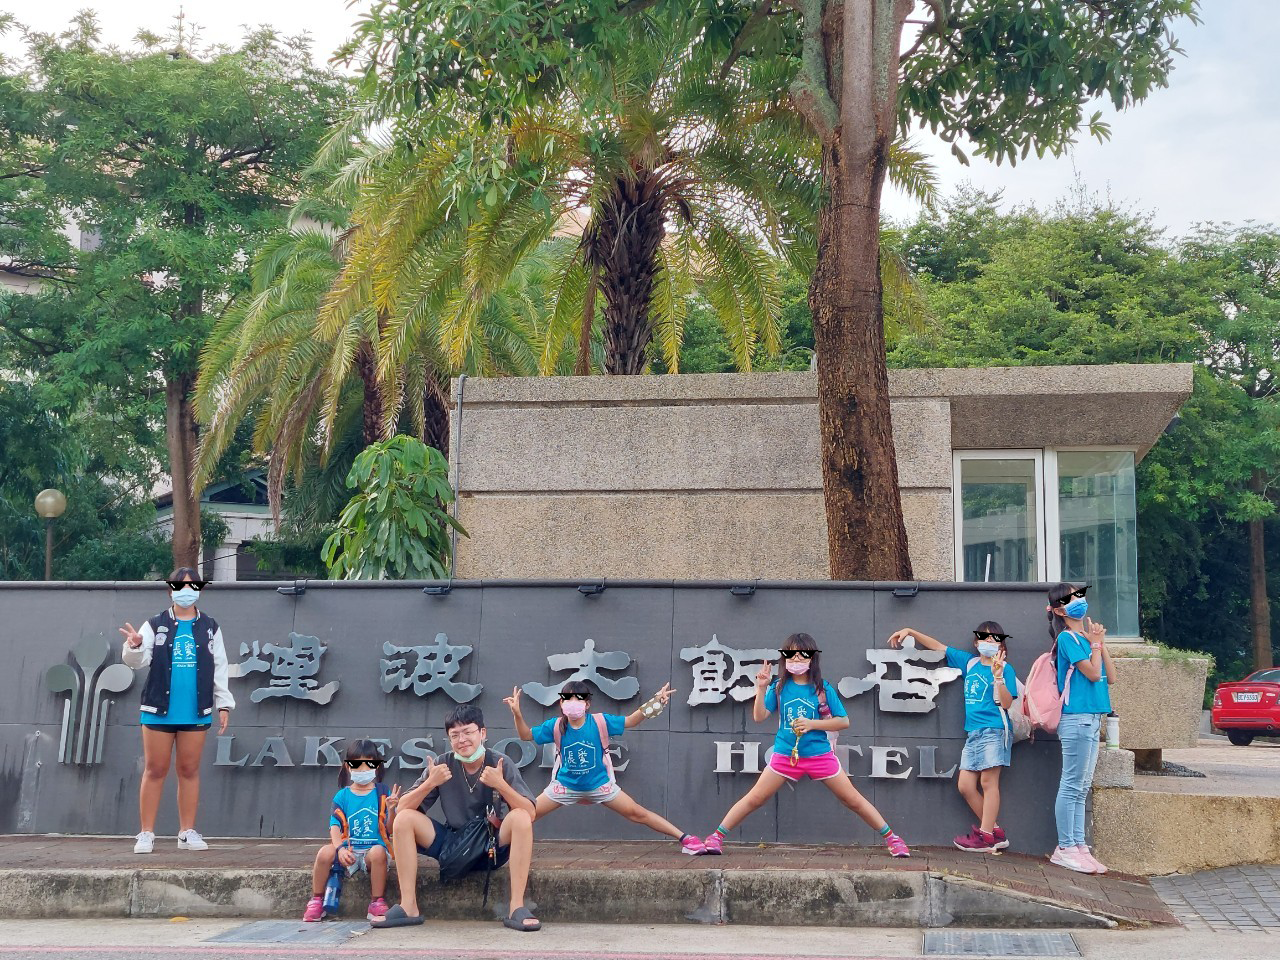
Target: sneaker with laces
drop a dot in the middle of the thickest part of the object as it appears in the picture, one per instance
(692, 845)
(377, 909)
(976, 841)
(1002, 842)
(191, 840)
(1068, 857)
(315, 910)
(144, 842)
(897, 846)
(1087, 856)
(712, 845)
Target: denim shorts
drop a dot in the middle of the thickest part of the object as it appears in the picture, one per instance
(986, 748)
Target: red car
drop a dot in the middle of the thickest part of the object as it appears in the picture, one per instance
(1248, 708)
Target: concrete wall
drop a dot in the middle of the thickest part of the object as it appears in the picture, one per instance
(715, 476)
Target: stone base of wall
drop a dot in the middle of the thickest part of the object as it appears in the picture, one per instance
(1149, 834)
(1159, 701)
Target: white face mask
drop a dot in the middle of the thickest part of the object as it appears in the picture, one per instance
(186, 597)
(363, 776)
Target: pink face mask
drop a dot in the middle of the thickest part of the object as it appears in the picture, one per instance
(797, 667)
(573, 709)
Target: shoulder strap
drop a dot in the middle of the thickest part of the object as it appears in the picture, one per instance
(603, 726)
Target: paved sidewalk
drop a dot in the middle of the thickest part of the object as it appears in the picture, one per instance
(1126, 899)
(1233, 898)
(1229, 771)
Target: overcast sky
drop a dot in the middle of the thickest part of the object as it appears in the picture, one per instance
(1207, 148)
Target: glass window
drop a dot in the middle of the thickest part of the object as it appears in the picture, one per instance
(1001, 520)
(1098, 524)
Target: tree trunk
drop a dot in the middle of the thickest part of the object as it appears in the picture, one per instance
(371, 408)
(866, 536)
(180, 438)
(435, 416)
(1259, 603)
(583, 366)
(630, 232)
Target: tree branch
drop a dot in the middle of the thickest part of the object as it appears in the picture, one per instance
(810, 91)
(939, 23)
(739, 42)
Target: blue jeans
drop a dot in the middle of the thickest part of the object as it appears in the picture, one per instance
(1078, 733)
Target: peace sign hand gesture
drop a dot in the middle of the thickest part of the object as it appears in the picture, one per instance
(131, 636)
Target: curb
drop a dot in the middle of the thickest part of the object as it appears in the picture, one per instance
(838, 898)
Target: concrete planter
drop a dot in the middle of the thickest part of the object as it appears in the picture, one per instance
(1159, 701)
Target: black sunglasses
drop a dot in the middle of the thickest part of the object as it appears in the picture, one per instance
(802, 654)
(1073, 594)
(196, 585)
(357, 764)
(584, 697)
(983, 635)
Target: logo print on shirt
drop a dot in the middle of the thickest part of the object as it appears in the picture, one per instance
(363, 825)
(580, 758)
(797, 709)
(976, 687)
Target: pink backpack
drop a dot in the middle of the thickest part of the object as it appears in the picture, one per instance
(1042, 701)
(557, 731)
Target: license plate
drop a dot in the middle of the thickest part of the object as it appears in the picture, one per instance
(1248, 697)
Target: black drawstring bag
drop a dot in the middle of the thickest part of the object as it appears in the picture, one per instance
(474, 847)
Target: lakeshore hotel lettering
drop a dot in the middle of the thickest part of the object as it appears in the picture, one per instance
(906, 681)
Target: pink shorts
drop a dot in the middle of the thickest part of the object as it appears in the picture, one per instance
(822, 767)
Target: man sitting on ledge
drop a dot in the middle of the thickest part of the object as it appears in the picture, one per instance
(470, 783)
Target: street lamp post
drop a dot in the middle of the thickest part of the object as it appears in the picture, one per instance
(50, 504)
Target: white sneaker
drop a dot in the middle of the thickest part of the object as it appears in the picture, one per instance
(191, 840)
(145, 842)
(1069, 858)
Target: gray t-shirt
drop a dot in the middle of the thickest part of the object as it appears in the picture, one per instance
(464, 797)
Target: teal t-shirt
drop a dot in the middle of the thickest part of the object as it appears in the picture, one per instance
(1085, 695)
(582, 764)
(981, 710)
(183, 709)
(361, 811)
(801, 700)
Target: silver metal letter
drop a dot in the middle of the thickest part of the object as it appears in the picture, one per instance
(929, 765)
(224, 753)
(913, 690)
(427, 668)
(316, 747)
(881, 757)
(586, 664)
(749, 750)
(720, 671)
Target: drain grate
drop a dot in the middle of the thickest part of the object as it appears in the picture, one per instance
(964, 943)
(290, 931)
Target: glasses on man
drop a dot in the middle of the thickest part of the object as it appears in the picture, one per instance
(463, 733)
(196, 585)
(1073, 595)
(802, 654)
(982, 635)
(584, 697)
(357, 764)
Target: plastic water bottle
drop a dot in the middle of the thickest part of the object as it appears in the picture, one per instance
(1113, 731)
(333, 888)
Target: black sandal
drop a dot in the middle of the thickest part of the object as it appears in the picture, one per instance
(396, 917)
(517, 920)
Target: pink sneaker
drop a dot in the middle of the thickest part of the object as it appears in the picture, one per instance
(1087, 857)
(692, 845)
(976, 841)
(1068, 857)
(712, 845)
(897, 846)
(315, 910)
(1002, 842)
(377, 908)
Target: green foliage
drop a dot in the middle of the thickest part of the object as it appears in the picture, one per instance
(397, 525)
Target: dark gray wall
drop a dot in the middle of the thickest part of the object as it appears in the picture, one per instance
(512, 628)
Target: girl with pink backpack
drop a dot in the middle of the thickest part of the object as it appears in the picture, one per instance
(989, 690)
(1083, 666)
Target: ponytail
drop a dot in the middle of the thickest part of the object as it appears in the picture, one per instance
(1057, 594)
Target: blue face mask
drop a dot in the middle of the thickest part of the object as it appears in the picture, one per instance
(988, 648)
(1077, 608)
(186, 597)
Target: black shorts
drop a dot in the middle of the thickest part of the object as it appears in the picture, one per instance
(442, 830)
(177, 727)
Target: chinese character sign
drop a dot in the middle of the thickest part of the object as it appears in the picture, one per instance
(292, 668)
(914, 689)
(720, 671)
(587, 665)
(427, 668)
